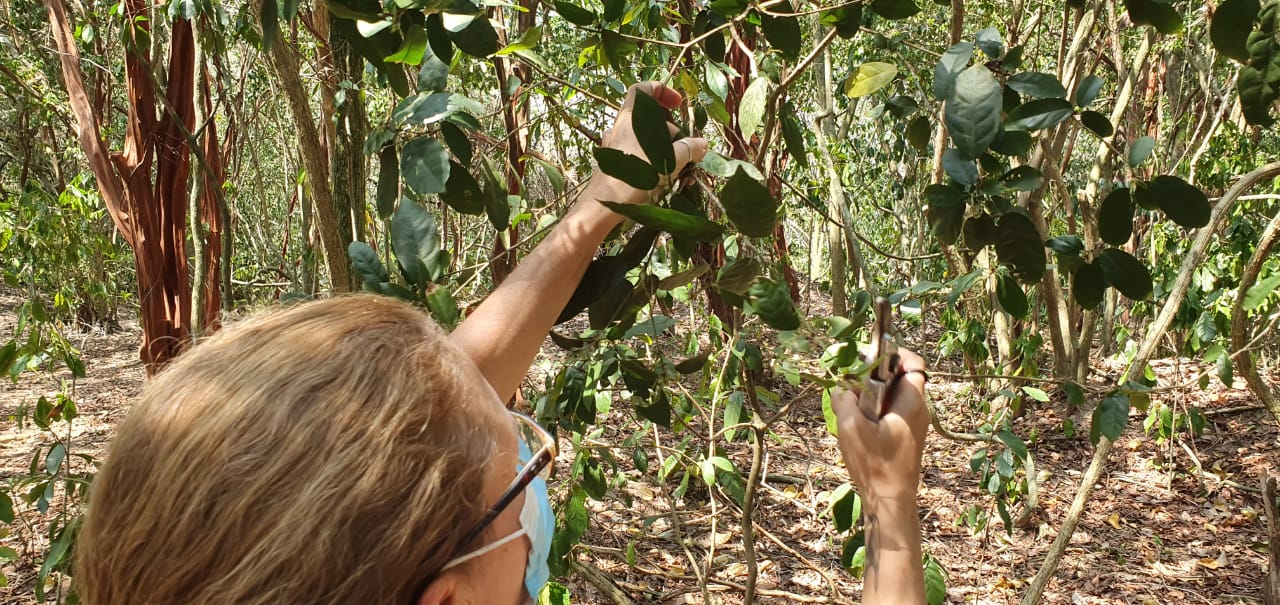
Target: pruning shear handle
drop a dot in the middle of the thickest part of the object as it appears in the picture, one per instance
(883, 355)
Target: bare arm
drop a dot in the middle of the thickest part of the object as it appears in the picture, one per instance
(504, 334)
(883, 458)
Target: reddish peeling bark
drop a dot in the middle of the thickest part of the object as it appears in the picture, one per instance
(515, 115)
(211, 214)
(144, 187)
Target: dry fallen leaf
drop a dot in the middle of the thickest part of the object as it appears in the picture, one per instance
(1114, 520)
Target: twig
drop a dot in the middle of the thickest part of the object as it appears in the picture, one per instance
(600, 581)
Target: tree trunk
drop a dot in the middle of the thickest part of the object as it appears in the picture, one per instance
(1240, 332)
(349, 166)
(285, 66)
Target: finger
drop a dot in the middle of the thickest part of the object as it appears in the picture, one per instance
(665, 96)
(909, 361)
(672, 129)
(691, 149)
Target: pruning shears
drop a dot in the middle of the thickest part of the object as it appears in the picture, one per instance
(882, 355)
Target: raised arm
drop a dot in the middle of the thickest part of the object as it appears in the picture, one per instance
(883, 459)
(504, 334)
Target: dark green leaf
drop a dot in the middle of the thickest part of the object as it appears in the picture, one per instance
(438, 38)
(672, 221)
(945, 212)
(1182, 202)
(443, 307)
(1038, 85)
(1065, 244)
(1089, 286)
(1011, 297)
(1253, 298)
(6, 508)
(1023, 178)
(960, 169)
(1140, 150)
(649, 121)
(1110, 417)
(1088, 90)
(979, 231)
(1019, 245)
(388, 180)
(496, 206)
(846, 507)
(1012, 143)
(1157, 13)
(783, 33)
(458, 142)
(1039, 114)
(416, 242)
(1115, 217)
(575, 14)
(749, 205)
(270, 15)
(935, 581)
(693, 364)
(846, 19)
(952, 62)
(1232, 23)
(793, 136)
(894, 9)
(626, 167)
(366, 262)
(434, 74)
(593, 480)
(1097, 124)
(658, 411)
(973, 111)
(472, 34)
(991, 43)
(414, 47)
(1013, 59)
(1125, 273)
(462, 192)
(425, 165)
(1225, 370)
(919, 131)
(772, 302)
(738, 276)
(613, 9)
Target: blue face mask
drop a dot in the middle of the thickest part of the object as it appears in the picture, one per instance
(539, 523)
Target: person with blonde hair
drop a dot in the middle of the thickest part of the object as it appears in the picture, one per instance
(350, 451)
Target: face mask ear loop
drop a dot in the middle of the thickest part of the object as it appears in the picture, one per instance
(483, 551)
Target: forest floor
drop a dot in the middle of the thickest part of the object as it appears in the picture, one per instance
(1157, 530)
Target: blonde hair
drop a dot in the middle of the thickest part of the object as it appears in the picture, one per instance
(321, 454)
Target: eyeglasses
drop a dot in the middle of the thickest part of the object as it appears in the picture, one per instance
(539, 465)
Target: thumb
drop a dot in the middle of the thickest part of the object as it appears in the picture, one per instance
(689, 149)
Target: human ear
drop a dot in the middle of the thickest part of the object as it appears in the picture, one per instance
(444, 590)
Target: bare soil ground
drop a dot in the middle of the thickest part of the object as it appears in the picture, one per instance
(1167, 523)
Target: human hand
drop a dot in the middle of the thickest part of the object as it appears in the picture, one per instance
(622, 137)
(883, 457)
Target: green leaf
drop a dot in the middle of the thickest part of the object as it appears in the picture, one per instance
(443, 307)
(749, 205)
(1039, 114)
(1038, 85)
(1088, 90)
(6, 508)
(527, 41)
(1019, 245)
(752, 107)
(979, 231)
(496, 206)
(946, 211)
(991, 43)
(575, 14)
(846, 507)
(919, 131)
(1075, 394)
(1182, 202)
(416, 242)
(614, 9)
(57, 551)
(434, 74)
(1140, 150)
(649, 121)
(935, 582)
(462, 192)
(626, 167)
(270, 16)
(1115, 217)
(414, 47)
(1038, 395)
(793, 136)
(53, 461)
(1260, 291)
(1012, 143)
(1110, 417)
(737, 277)
(1023, 178)
(425, 165)
(1157, 13)
(472, 34)
(973, 111)
(388, 180)
(1013, 442)
(952, 62)
(1232, 23)
(458, 142)
(1097, 124)
(1225, 370)
(959, 168)
(772, 302)
(438, 38)
(1065, 244)
(1011, 297)
(1089, 285)
(367, 264)
(870, 78)
(429, 108)
(782, 33)
(1125, 273)
(828, 414)
(672, 221)
(894, 9)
